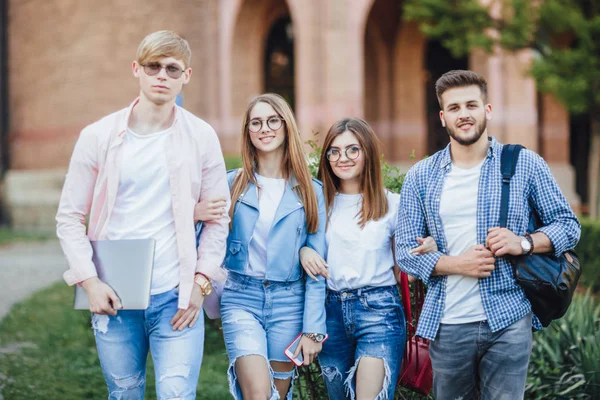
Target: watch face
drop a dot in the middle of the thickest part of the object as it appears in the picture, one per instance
(319, 337)
(525, 245)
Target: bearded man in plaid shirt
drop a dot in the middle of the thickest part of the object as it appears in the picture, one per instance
(477, 318)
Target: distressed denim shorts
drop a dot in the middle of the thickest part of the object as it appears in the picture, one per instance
(365, 322)
(261, 318)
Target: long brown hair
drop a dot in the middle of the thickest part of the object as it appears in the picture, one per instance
(374, 204)
(293, 162)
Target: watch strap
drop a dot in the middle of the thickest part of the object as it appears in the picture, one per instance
(530, 240)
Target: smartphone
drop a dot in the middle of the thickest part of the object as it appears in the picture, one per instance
(291, 349)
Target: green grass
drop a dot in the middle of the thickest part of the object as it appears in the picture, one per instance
(8, 236)
(47, 351)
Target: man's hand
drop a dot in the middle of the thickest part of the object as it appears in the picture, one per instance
(309, 349)
(427, 245)
(313, 263)
(502, 241)
(185, 318)
(103, 300)
(477, 262)
(210, 210)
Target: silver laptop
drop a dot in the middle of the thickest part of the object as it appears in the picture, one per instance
(126, 266)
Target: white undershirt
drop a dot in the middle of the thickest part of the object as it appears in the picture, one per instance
(143, 206)
(270, 194)
(458, 211)
(360, 257)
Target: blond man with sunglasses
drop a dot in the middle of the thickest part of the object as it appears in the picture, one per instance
(137, 174)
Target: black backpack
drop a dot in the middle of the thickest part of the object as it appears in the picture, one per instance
(548, 281)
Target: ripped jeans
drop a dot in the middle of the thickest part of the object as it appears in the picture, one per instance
(362, 322)
(123, 342)
(260, 318)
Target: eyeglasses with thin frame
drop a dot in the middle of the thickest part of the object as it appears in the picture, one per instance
(351, 153)
(274, 123)
(153, 68)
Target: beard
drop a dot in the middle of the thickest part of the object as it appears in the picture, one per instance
(469, 138)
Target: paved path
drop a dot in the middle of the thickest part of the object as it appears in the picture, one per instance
(27, 267)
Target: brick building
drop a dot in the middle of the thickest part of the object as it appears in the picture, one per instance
(69, 63)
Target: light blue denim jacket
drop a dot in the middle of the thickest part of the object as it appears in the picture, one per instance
(287, 236)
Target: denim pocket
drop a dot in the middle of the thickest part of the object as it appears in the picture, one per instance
(380, 302)
(230, 284)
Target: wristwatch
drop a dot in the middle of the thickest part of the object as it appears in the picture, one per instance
(316, 337)
(527, 244)
(205, 286)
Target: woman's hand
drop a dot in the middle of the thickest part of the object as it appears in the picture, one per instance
(313, 263)
(210, 210)
(398, 274)
(427, 245)
(309, 349)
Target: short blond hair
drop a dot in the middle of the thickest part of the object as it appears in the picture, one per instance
(164, 44)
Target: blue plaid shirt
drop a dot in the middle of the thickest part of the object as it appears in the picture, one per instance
(419, 215)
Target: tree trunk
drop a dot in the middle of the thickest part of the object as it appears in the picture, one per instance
(594, 165)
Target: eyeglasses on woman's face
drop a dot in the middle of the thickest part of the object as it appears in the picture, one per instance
(274, 123)
(334, 154)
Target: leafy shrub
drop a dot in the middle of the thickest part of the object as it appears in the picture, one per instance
(588, 252)
(565, 361)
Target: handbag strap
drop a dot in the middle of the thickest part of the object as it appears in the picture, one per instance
(419, 296)
(508, 166)
(406, 296)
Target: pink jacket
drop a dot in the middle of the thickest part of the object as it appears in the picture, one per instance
(196, 171)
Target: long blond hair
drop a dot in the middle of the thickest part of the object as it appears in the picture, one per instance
(293, 162)
(374, 204)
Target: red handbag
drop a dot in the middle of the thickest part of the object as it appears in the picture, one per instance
(416, 373)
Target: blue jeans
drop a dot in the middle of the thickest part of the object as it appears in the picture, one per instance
(260, 318)
(123, 342)
(362, 322)
(471, 362)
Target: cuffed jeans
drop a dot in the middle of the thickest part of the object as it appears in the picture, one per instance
(471, 362)
(123, 342)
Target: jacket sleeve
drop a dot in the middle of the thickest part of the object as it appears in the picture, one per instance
(314, 300)
(412, 223)
(74, 206)
(213, 238)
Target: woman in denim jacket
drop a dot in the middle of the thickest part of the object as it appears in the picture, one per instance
(362, 359)
(277, 208)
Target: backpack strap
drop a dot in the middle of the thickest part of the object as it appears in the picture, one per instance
(508, 166)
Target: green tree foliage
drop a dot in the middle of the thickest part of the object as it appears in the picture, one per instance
(564, 35)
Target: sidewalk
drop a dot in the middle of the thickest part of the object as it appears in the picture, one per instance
(27, 267)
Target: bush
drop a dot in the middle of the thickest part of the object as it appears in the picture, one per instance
(587, 250)
(565, 362)
(232, 161)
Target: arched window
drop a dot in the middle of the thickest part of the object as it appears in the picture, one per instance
(279, 60)
(438, 61)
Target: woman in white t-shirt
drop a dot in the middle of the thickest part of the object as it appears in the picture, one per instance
(276, 209)
(365, 319)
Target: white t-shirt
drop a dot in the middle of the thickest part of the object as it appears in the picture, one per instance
(360, 257)
(458, 211)
(143, 207)
(270, 194)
